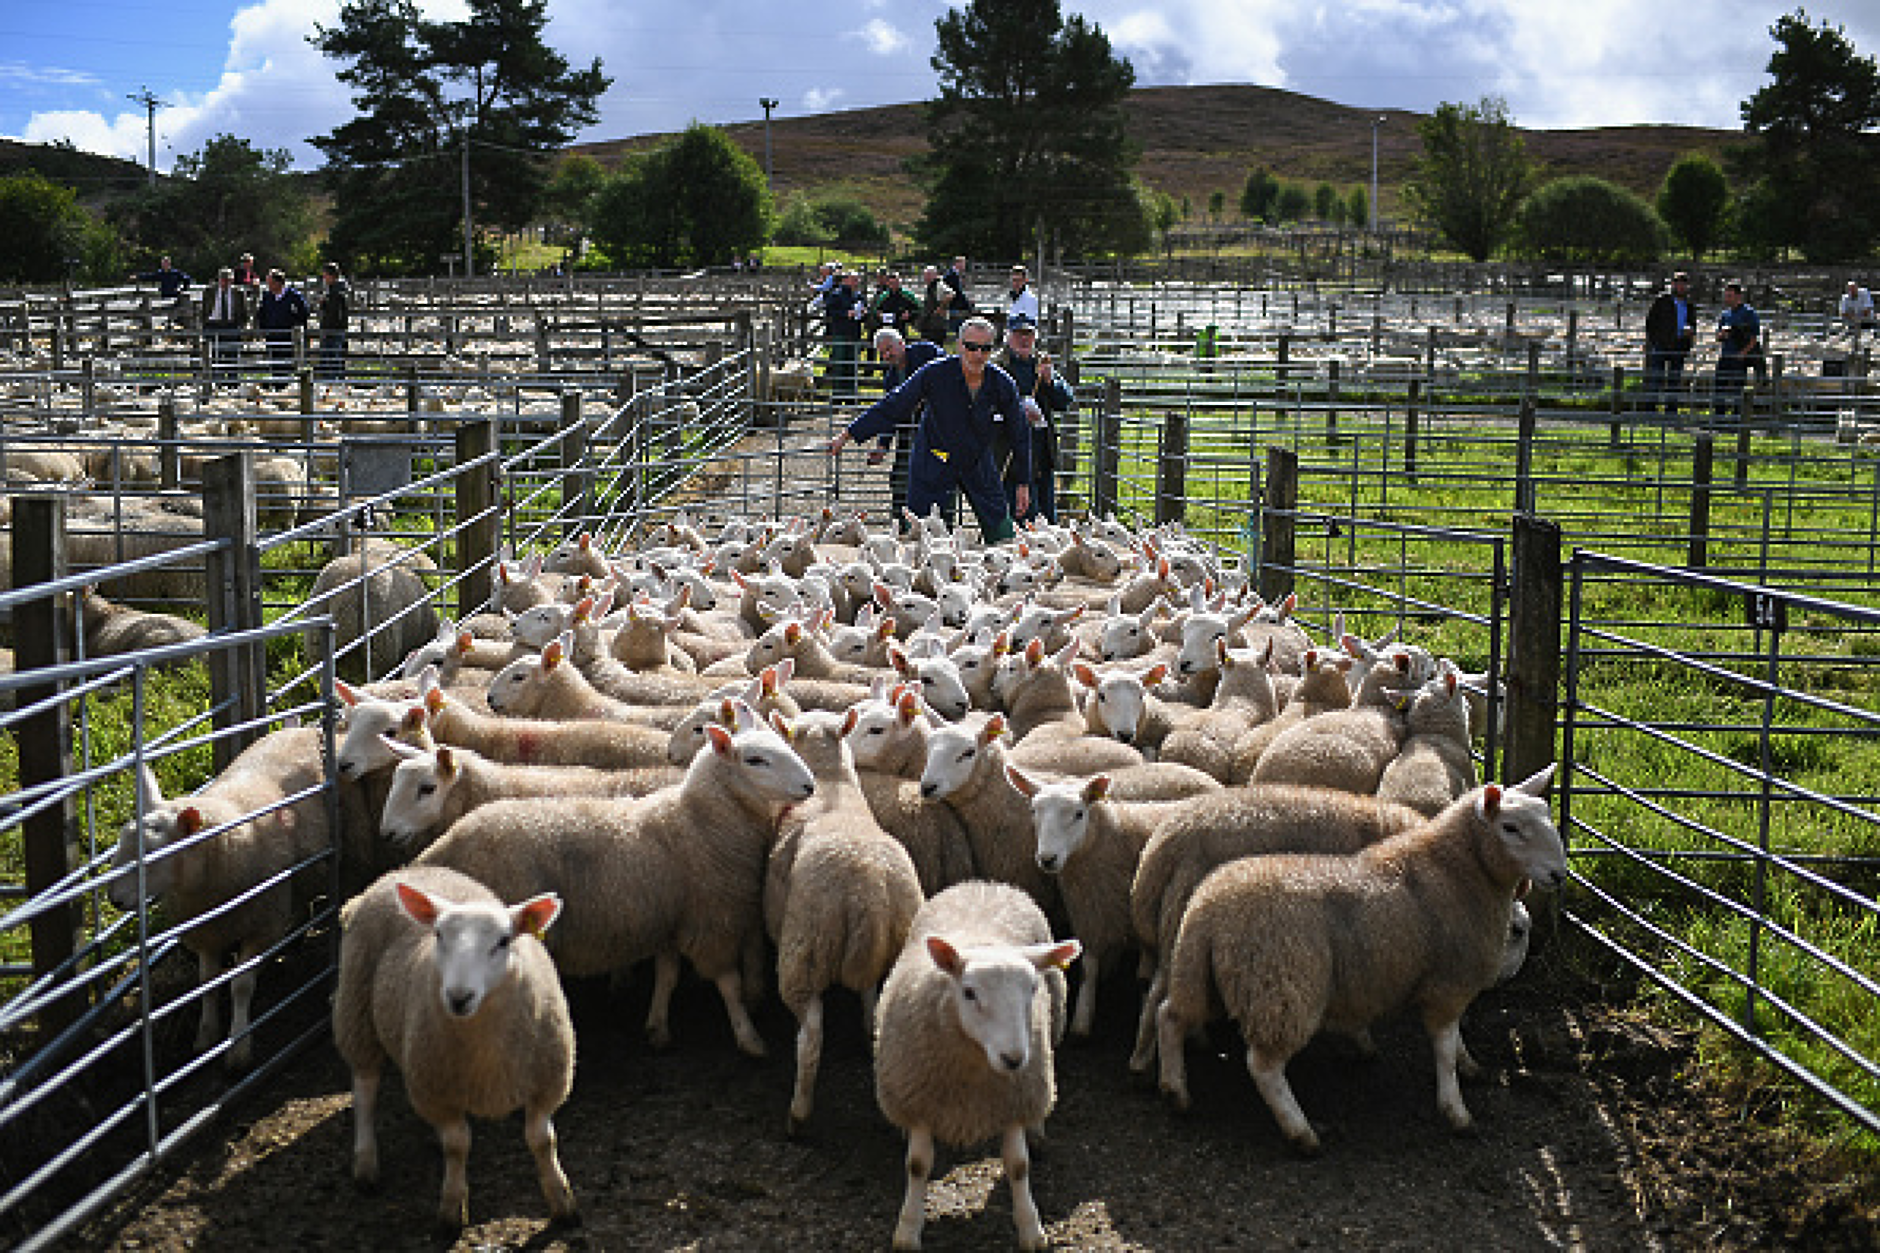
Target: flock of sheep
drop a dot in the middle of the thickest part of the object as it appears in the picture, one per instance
(935, 773)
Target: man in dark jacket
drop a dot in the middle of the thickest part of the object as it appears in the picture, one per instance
(844, 307)
(281, 309)
(335, 308)
(902, 359)
(1670, 333)
(224, 314)
(1042, 394)
(967, 399)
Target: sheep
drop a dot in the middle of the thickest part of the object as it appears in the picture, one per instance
(764, 694)
(600, 743)
(1243, 699)
(942, 687)
(678, 874)
(432, 789)
(549, 687)
(1119, 706)
(1434, 766)
(1347, 749)
(456, 991)
(112, 629)
(891, 731)
(1293, 944)
(1045, 719)
(964, 1039)
(255, 824)
(1091, 845)
(387, 581)
(644, 642)
(966, 769)
(1241, 822)
(580, 555)
(518, 588)
(1093, 560)
(1123, 636)
(1321, 689)
(839, 894)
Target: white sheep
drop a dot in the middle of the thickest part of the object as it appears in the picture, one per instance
(1292, 945)
(1347, 749)
(252, 830)
(431, 790)
(1243, 699)
(839, 894)
(964, 1039)
(386, 582)
(112, 629)
(1321, 689)
(602, 743)
(456, 991)
(1434, 766)
(678, 874)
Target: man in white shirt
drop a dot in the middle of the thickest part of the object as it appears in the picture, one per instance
(1857, 307)
(224, 314)
(1021, 299)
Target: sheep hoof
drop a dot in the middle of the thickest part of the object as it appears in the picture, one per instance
(1177, 1098)
(1306, 1143)
(659, 1038)
(793, 1126)
(566, 1218)
(366, 1182)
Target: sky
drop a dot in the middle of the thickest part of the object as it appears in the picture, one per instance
(69, 67)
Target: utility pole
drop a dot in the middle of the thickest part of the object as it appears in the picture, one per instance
(767, 104)
(469, 257)
(1374, 125)
(148, 99)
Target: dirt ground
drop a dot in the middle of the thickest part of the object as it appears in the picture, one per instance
(1591, 1134)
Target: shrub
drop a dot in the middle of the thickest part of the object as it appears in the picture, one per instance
(1589, 219)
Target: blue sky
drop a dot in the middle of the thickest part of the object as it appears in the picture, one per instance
(245, 68)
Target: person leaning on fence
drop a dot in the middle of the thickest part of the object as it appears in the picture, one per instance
(900, 358)
(282, 308)
(335, 307)
(967, 400)
(171, 282)
(224, 314)
(844, 307)
(1739, 339)
(1856, 310)
(1670, 334)
(1042, 394)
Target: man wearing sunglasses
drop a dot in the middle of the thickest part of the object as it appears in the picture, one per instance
(968, 400)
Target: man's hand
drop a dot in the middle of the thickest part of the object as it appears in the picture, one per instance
(1021, 496)
(837, 444)
(877, 455)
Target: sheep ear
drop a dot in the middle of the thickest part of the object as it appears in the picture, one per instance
(781, 726)
(785, 669)
(421, 908)
(908, 707)
(1488, 804)
(153, 791)
(1222, 656)
(403, 750)
(1034, 654)
(884, 629)
(1537, 783)
(719, 738)
(1096, 789)
(994, 728)
(945, 956)
(345, 692)
(582, 608)
(551, 655)
(1018, 779)
(188, 820)
(1067, 655)
(1156, 674)
(1056, 956)
(464, 642)
(738, 578)
(1074, 615)
(446, 760)
(1085, 675)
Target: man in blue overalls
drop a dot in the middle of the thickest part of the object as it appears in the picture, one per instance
(900, 359)
(967, 400)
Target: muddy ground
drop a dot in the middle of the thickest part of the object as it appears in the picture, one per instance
(1594, 1131)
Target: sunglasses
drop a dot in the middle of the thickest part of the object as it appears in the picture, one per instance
(966, 347)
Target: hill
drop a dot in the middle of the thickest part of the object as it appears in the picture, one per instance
(94, 177)
(1195, 141)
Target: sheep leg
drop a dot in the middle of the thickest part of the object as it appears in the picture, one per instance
(365, 1127)
(659, 1012)
(914, 1202)
(1171, 1042)
(209, 1029)
(871, 996)
(756, 968)
(730, 987)
(453, 1203)
(1447, 1037)
(809, 1039)
(1085, 1014)
(242, 999)
(1143, 1056)
(1018, 1174)
(539, 1132)
(1269, 1075)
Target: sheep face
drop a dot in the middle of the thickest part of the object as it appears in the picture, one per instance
(1053, 626)
(1524, 833)
(883, 726)
(1126, 635)
(764, 762)
(954, 753)
(165, 823)
(992, 990)
(534, 628)
(986, 621)
(373, 727)
(514, 689)
(956, 605)
(1061, 814)
(1122, 700)
(421, 786)
(1520, 926)
(1201, 633)
(941, 685)
(978, 667)
(475, 942)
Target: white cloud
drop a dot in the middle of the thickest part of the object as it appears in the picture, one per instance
(881, 38)
(18, 73)
(821, 99)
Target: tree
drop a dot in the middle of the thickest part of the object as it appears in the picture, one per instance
(1326, 204)
(1028, 135)
(1472, 175)
(1813, 166)
(698, 199)
(225, 200)
(1589, 219)
(1217, 205)
(569, 198)
(1692, 202)
(1292, 204)
(49, 236)
(424, 92)
(1358, 208)
(1259, 195)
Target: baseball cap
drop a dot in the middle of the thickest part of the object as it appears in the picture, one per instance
(1021, 322)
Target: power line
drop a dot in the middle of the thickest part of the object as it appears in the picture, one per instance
(148, 99)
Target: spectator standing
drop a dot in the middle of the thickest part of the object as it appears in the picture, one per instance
(171, 282)
(1042, 395)
(933, 306)
(282, 308)
(844, 307)
(224, 314)
(246, 275)
(1670, 334)
(895, 308)
(967, 399)
(900, 358)
(1739, 336)
(335, 310)
(960, 307)
(1021, 299)
(1857, 307)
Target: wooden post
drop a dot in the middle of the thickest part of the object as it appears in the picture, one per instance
(1573, 338)
(1701, 460)
(1745, 407)
(1533, 676)
(1331, 401)
(1171, 480)
(412, 388)
(577, 475)
(1410, 424)
(541, 345)
(87, 389)
(1616, 403)
(305, 378)
(169, 446)
(479, 525)
(1532, 386)
(1285, 353)
(1277, 524)
(42, 629)
(237, 676)
(1524, 459)
(1109, 448)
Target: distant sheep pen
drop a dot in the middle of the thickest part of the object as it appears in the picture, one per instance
(1676, 598)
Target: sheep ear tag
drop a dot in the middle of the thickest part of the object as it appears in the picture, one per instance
(1054, 956)
(535, 915)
